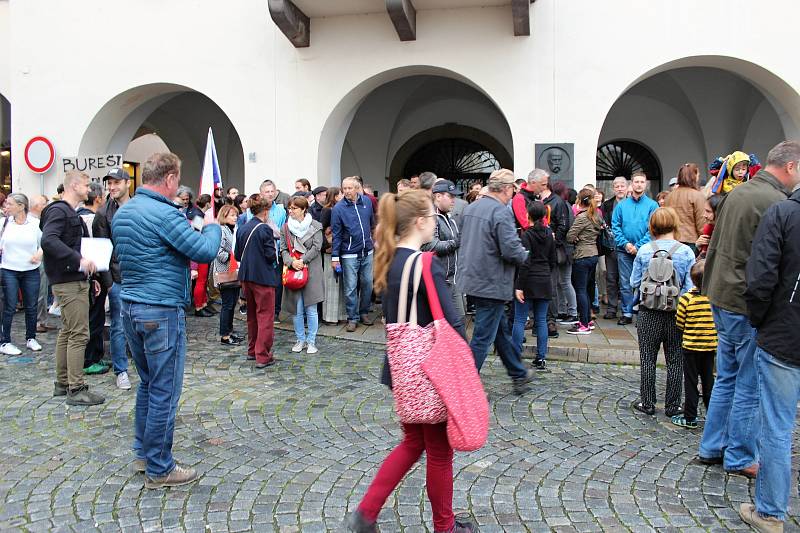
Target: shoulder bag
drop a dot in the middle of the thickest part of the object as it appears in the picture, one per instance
(230, 279)
(294, 280)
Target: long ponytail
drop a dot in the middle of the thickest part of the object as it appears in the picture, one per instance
(397, 214)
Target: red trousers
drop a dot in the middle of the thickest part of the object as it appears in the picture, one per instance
(432, 439)
(260, 320)
(200, 293)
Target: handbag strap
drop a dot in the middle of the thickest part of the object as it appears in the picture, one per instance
(402, 305)
(430, 287)
(244, 250)
(288, 239)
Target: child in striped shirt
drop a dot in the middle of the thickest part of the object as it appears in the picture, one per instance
(699, 344)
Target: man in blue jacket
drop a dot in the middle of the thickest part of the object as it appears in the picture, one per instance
(352, 222)
(154, 243)
(629, 223)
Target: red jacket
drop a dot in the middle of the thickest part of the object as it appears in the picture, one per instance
(519, 205)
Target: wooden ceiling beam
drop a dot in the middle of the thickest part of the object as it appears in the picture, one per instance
(404, 18)
(294, 24)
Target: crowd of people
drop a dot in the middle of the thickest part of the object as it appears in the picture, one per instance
(708, 274)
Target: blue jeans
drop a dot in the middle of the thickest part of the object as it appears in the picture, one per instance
(779, 392)
(491, 325)
(13, 281)
(117, 343)
(625, 267)
(521, 311)
(733, 422)
(357, 273)
(581, 271)
(157, 338)
(303, 312)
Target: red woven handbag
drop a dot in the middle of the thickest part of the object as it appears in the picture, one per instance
(451, 368)
(407, 345)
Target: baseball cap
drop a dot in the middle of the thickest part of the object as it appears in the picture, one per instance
(502, 176)
(319, 190)
(117, 173)
(673, 181)
(446, 186)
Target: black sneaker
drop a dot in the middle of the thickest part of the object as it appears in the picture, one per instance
(230, 341)
(520, 385)
(540, 365)
(243, 309)
(237, 338)
(568, 321)
(636, 405)
(552, 331)
(356, 522)
(625, 320)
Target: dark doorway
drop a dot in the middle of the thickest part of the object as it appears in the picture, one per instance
(461, 161)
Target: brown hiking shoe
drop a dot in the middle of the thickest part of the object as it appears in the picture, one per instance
(178, 476)
(139, 465)
(59, 389)
(760, 523)
(82, 396)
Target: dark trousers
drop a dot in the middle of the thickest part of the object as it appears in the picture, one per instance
(581, 269)
(657, 328)
(226, 313)
(697, 364)
(612, 283)
(13, 282)
(97, 322)
(260, 320)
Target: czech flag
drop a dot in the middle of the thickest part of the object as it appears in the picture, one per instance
(210, 179)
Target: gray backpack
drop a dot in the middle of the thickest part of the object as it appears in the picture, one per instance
(660, 287)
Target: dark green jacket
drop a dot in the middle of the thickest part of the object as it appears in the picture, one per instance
(738, 217)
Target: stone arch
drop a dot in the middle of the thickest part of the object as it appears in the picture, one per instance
(334, 132)
(181, 116)
(700, 107)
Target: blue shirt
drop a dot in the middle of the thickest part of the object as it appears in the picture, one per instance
(630, 221)
(682, 261)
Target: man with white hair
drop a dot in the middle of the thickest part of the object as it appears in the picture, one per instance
(352, 222)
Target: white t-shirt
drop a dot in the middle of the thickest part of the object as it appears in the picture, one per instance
(19, 243)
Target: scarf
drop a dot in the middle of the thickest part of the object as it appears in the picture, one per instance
(299, 229)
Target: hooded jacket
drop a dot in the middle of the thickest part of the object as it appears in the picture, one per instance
(773, 279)
(533, 276)
(352, 224)
(62, 230)
(490, 251)
(445, 243)
(154, 243)
(519, 204)
(737, 218)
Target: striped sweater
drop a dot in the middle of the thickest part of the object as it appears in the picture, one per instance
(694, 318)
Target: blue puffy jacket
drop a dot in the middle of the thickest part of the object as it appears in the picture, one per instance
(154, 243)
(352, 225)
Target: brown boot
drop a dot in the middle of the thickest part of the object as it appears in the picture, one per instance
(178, 476)
(760, 523)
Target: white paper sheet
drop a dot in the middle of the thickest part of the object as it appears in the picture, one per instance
(98, 250)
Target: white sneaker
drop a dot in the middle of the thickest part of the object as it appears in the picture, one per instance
(34, 345)
(312, 348)
(123, 381)
(9, 349)
(55, 310)
(298, 346)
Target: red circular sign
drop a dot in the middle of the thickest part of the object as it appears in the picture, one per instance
(39, 154)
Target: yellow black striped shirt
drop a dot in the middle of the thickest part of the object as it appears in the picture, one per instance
(695, 319)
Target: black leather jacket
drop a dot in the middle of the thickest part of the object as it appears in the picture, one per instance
(445, 243)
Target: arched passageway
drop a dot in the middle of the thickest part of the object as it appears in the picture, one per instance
(413, 116)
(160, 116)
(694, 110)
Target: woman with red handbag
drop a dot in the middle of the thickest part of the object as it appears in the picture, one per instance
(301, 248)
(407, 222)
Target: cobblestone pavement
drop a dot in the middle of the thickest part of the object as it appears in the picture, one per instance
(292, 448)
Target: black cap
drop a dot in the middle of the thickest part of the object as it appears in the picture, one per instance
(319, 190)
(117, 173)
(446, 186)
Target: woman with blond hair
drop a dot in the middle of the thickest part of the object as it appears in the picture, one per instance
(657, 327)
(407, 222)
